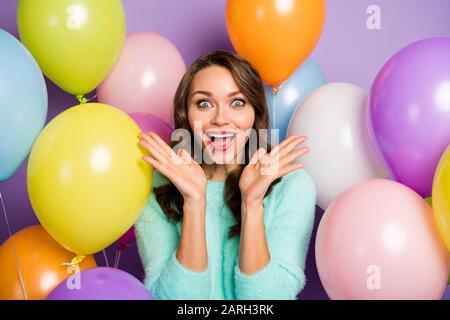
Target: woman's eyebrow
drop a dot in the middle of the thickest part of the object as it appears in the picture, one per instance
(234, 93)
(209, 94)
(206, 93)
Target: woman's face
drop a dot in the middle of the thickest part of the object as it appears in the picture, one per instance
(219, 114)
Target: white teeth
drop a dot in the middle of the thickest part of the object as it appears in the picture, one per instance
(220, 135)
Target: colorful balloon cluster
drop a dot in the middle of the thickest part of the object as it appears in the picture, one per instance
(378, 238)
(86, 181)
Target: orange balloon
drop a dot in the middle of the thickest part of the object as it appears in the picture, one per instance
(40, 260)
(275, 36)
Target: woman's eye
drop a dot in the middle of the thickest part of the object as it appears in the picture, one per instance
(203, 104)
(238, 103)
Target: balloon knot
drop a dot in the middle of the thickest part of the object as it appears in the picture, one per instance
(121, 246)
(277, 88)
(81, 99)
(75, 261)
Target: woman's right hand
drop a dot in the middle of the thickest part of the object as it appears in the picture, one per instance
(186, 174)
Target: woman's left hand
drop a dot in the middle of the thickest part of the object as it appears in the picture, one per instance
(264, 168)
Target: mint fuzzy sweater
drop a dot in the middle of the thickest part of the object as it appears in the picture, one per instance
(288, 217)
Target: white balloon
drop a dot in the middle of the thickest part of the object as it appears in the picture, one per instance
(333, 116)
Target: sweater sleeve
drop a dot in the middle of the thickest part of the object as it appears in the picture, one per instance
(157, 240)
(288, 235)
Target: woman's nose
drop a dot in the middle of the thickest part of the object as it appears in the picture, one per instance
(220, 116)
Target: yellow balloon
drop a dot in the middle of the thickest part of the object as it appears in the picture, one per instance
(429, 200)
(75, 42)
(86, 180)
(441, 196)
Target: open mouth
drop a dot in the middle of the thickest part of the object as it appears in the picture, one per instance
(220, 141)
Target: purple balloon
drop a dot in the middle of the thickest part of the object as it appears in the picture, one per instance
(409, 112)
(149, 122)
(100, 284)
(446, 295)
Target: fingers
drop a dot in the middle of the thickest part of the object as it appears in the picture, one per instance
(293, 155)
(288, 149)
(154, 151)
(185, 156)
(281, 150)
(149, 141)
(286, 166)
(161, 146)
(289, 168)
(162, 143)
(162, 153)
(280, 163)
(286, 141)
(291, 145)
(157, 165)
(261, 152)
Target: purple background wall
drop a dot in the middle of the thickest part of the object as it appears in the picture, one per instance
(348, 51)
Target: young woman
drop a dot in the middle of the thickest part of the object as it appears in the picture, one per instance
(227, 222)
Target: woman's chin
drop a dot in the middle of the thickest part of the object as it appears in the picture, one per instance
(222, 157)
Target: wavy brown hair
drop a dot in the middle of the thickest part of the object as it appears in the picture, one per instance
(250, 83)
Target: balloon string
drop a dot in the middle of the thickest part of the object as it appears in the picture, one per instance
(274, 104)
(92, 98)
(117, 260)
(83, 100)
(106, 258)
(19, 273)
(275, 89)
(120, 247)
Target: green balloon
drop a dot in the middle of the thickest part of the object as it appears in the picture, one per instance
(75, 42)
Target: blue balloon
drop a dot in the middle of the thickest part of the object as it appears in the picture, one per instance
(304, 80)
(23, 103)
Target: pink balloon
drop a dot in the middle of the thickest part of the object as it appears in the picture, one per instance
(149, 122)
(378, 240)
(145, 77)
